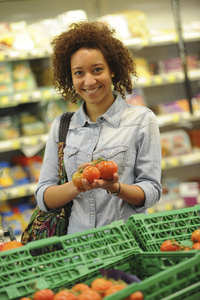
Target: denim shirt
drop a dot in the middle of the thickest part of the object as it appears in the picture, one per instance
(125, 133)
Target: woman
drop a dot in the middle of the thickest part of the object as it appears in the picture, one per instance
(88, 60)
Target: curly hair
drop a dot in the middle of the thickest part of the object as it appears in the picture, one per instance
(92, 35)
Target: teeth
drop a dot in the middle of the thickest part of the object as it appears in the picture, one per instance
(91, 91)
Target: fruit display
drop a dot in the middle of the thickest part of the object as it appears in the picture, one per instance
(98, 290)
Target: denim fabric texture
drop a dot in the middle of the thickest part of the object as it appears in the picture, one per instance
(125, 133)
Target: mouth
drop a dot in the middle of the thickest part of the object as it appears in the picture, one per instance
(91, 91)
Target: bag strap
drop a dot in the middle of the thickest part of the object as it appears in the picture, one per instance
(63, 129)
(64, 126)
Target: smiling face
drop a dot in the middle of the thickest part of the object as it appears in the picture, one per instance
(91, 77)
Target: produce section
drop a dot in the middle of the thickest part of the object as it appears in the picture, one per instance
(28, 105)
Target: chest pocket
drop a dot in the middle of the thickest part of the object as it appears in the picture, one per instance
(70, 160)
(117, 154)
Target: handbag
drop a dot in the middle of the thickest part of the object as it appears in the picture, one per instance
(54, 223)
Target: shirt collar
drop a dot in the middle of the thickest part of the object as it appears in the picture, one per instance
(112, 115)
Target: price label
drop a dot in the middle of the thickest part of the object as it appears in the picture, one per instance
(171, 78)
(168, 207)
(47, 94)
(158, 80)
(163, 164)
(21, 192)
(4, 100)
(174, 162)
(2, 56)
(176, 118)
(16, 144)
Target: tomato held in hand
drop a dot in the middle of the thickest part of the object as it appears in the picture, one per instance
(91, 173)
(107, 169)
(45, 294)
(195, 236)
(77, 179)
(170, 245)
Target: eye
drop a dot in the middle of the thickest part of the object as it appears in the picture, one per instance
(98, 70)
(78, 73)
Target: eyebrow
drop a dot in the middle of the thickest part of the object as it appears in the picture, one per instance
(94, 65)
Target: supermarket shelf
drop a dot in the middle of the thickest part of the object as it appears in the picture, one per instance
(18, 191)
(181, 160)
(171, 162)
(138, 43)
(40, 94)
(12, 55)
(165, 120)
(161, 40)
(164, 79)
(49, 94)
(176, 118)
(18, 143)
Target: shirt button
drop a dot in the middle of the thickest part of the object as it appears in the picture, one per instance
(94, 141)
(91, 215)
(88, 156)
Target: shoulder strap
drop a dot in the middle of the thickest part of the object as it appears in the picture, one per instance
(64, 126)
(63, 129)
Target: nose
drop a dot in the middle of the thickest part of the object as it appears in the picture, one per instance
(89, 79)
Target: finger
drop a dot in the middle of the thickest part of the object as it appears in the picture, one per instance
(82, 166)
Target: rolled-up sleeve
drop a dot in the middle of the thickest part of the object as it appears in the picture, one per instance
(148, 163)
(49, 174)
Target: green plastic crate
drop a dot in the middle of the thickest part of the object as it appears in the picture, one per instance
(178, 282)
(81, 253)
(151, 230)
(161, 274)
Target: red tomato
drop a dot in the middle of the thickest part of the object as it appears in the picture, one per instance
(65, 295)
(25, 298)
(170, 245)
(196, 246)
(101, 285)
(89, 295)
(135, 296)
(77, 180)
(115, 288)
(45, 294)
(107, 169)
(195, 236)
(80, 287)
(91, 173)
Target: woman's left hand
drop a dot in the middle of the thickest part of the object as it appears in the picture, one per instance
(99, 183)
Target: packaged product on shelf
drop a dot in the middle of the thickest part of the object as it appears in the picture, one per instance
(6, 84)
(22, 38)
(9, 128)
(30, 124)
(119, 22)
(6, 37)
(22, 75)
(177, 106)
(136, 98)
(6, 179)
(174, 143)
(31, 164)
(51, 110)
(19, 175)
(71, 16)
(173, 64)
(194, 135)
(142, 68)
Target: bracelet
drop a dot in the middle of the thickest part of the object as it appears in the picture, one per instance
(115, 193)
